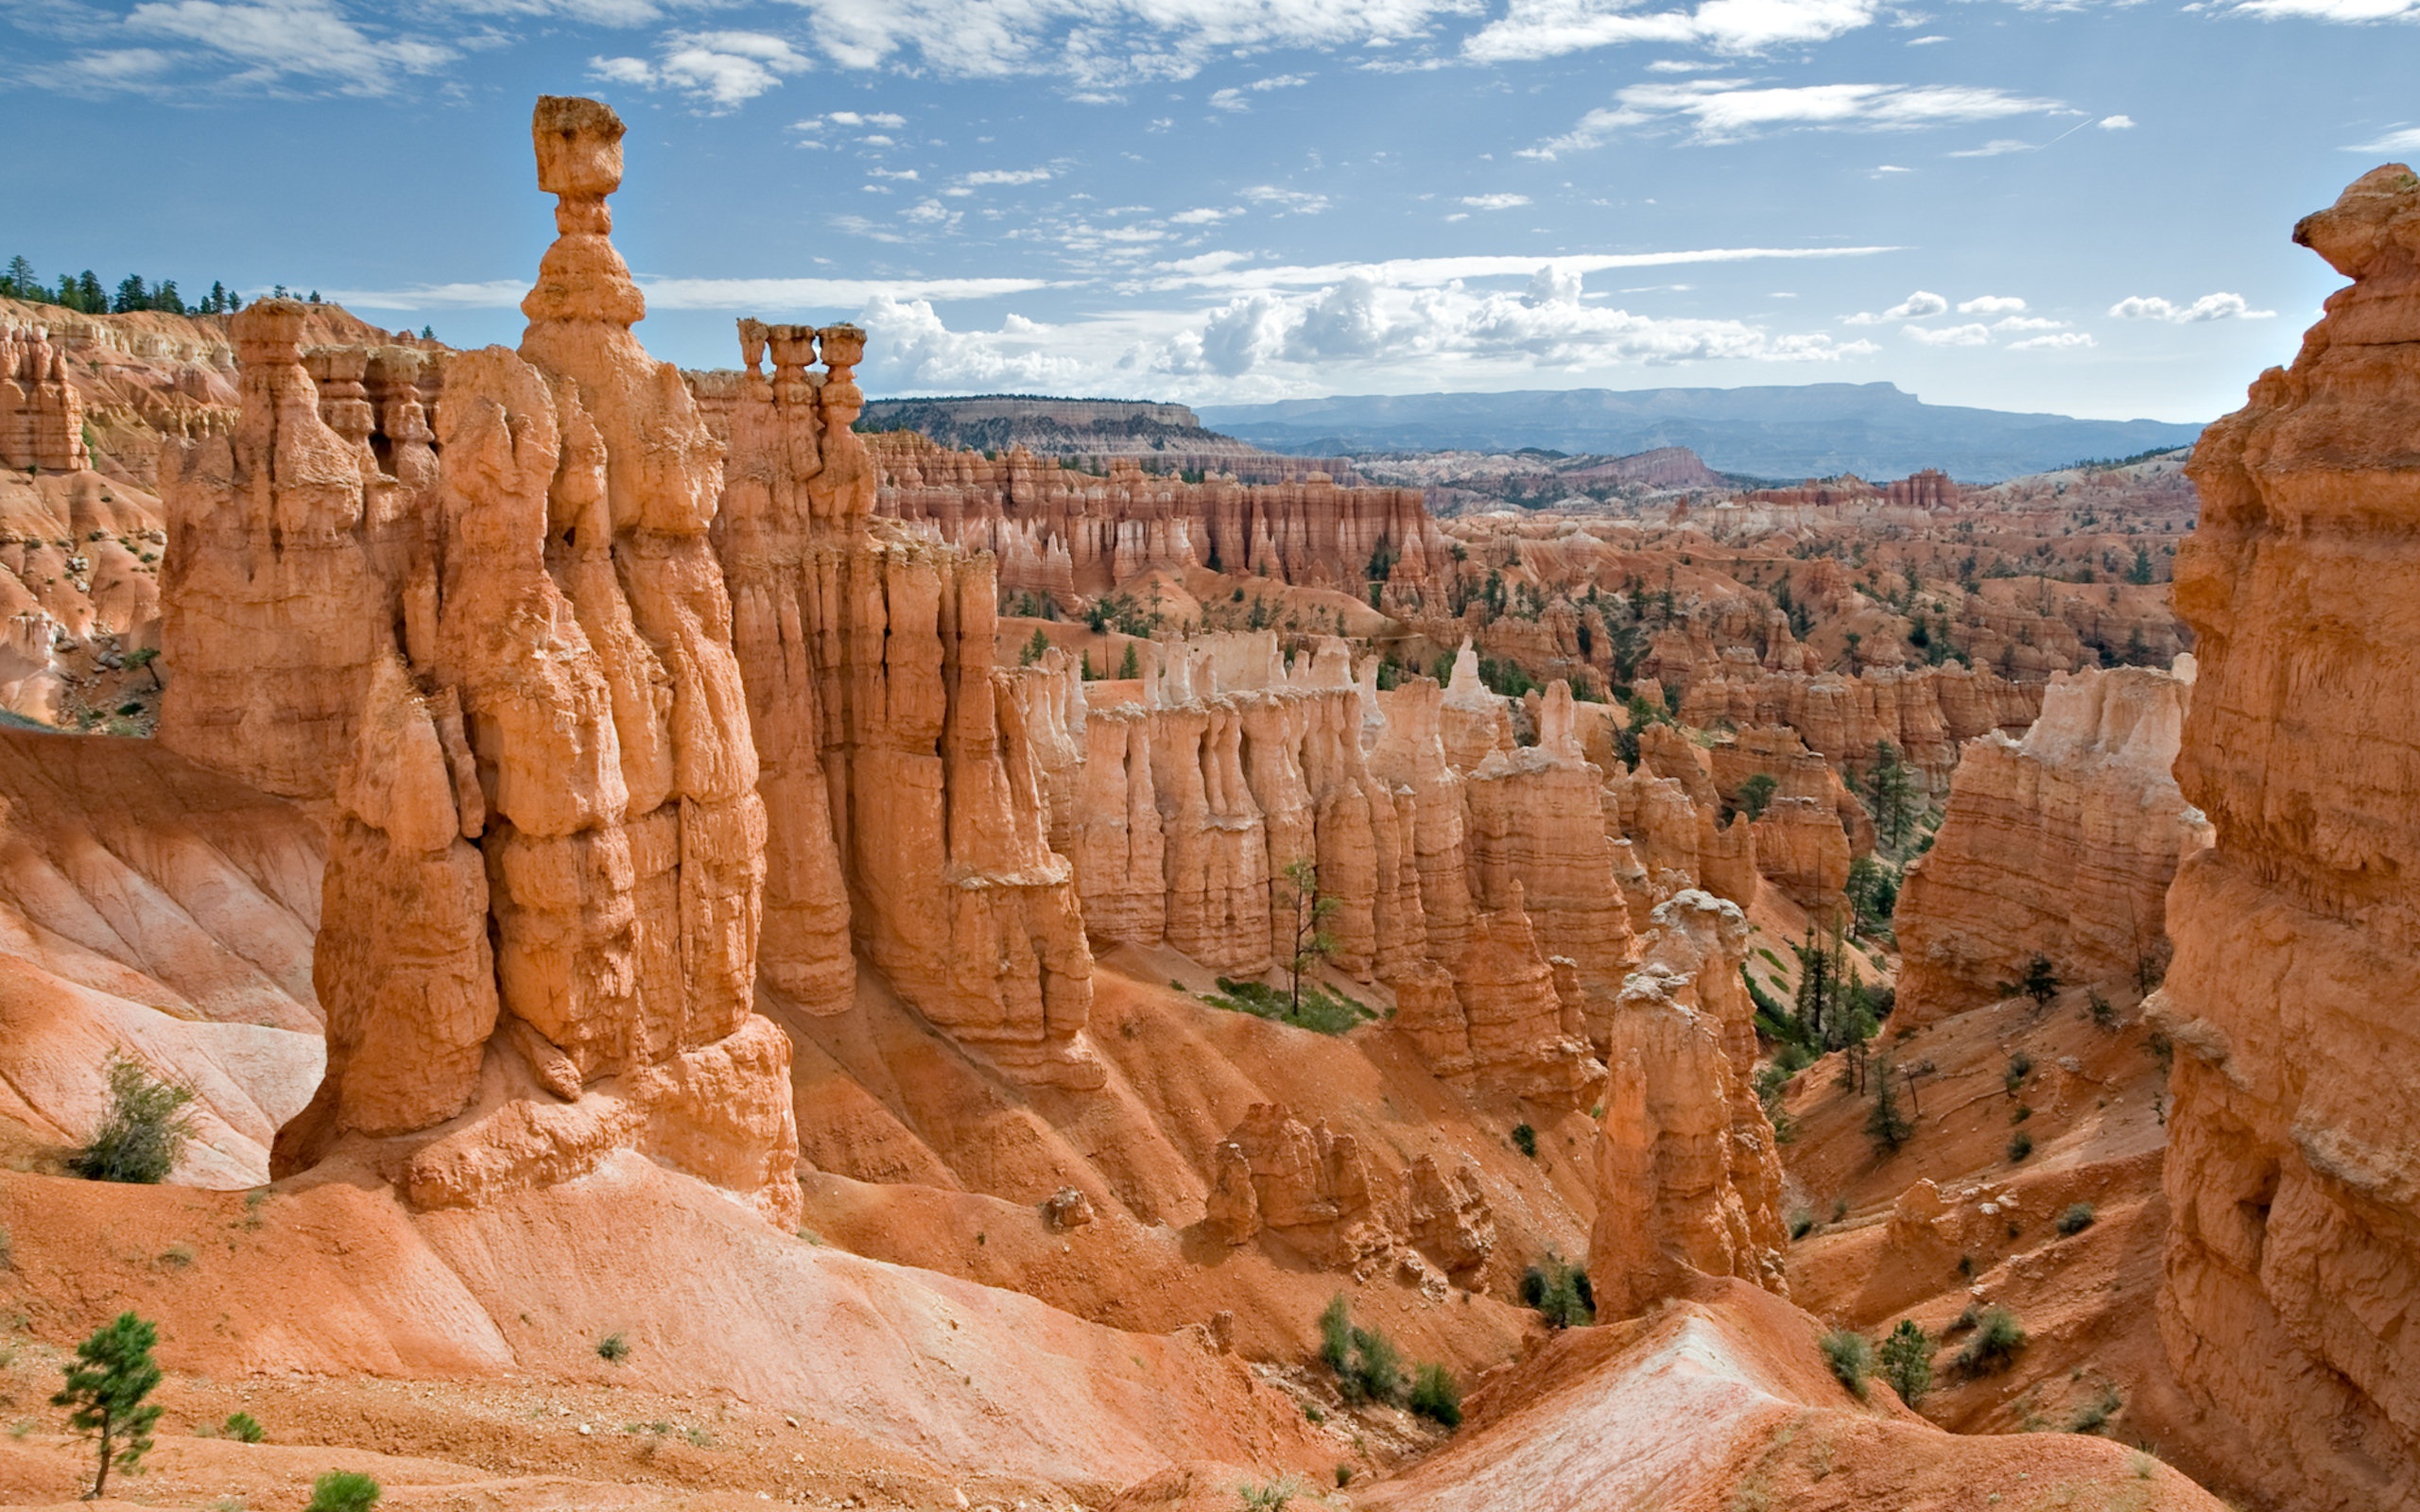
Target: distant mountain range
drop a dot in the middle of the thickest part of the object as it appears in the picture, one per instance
(1780, 432)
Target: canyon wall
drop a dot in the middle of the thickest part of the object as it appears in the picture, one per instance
(2293, 1163)
(2061, 845)
(1063, 533)
(504, 677)
(41, 418)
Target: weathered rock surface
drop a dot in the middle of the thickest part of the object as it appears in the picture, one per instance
(908, 811)
(506, 679)
(2061, 845)
(1689, 1175)
(1061, 533)
(2294, 1166)
(42, 418)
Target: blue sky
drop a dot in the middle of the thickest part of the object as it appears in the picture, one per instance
(2073, 207)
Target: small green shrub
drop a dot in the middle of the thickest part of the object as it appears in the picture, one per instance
(1275, 1496)
(2020, 1066)
(1343, 1475)
(2078, 1218)
(2022, 1113)
(1560, 1291)
(614, 1349)
(2103, 1012)
(1435, 1394)
(1367, 1366)
(343, 1491)
(2019, 1147)
(1802, 1222)
(1998, 1337)
(144, 1131)
(1851, 1356)
(244, 1428)
(1906, 1359)
(1322, 1010)
(1524, 1139)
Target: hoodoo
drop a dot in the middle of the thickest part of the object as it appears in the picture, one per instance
(2293, 1164)
(507, 682)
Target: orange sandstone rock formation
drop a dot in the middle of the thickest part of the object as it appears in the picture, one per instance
(2293, 1164)
(1063, 533)
(41, 418)
(1688, 1173)
(509, 683)
(2061, 845)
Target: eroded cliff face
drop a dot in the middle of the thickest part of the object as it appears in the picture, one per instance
(2293, 1166)
(908, 812)
(42, 418)
(1063, 534)
(1688, 1173)
(2061, 845)
(499, 661)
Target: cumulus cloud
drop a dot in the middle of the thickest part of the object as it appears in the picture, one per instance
(272, 44)
(1531, 29)
(2064, 341)
(2027, 322)
(1916, 306)
(720, 69)
(2208, 307)
(1991, 304)
(1006, 176)
(746, 295)
(2116, 122)
(1948, 335)
(1202, 216)
(1494, 201)
(1998, 147)
(1732, 109)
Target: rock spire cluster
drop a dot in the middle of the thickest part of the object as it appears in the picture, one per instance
(42, 418)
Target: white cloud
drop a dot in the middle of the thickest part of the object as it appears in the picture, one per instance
(723, 69)
(2116, 122)
(1730, 110)
(1006, 176)
(878, 118)
(2062, 342)
(1229, 99)
(1229, 272)
(2027, 322)
(1294, 201)
(1533, 30)
(1926, 42)
(1498, 201)
(1918, 306)
(1999, 148)
(1095, 45)
(2353, 12)
(273, 43)
(2208, 307)
(1991, 304)
(1199, 217)
(1951, 336)
(2407, 139)
(1892, 167)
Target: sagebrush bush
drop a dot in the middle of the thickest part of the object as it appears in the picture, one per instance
(1851, 1356)
(614, 1349)
(144, 1131)
(1997, 1338)
(2019, 1147)
(1367, 1365)
(1560, 1291)
(244, 1428)
(2078, 1218)
(344, 1491)
(1524, 1139)
(1436, 1395)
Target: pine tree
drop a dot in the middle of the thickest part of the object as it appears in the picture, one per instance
(105, 1385)
(23, 283)
(218, 303)
(1890, 792)
(90, 297)
(1131, 666)
(165, 298)
(132, 295)
(1905, 1358)
(1888, 1127)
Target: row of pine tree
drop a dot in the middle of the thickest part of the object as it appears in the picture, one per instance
(84, 292)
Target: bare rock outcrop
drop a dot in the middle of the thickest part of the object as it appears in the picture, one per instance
(2293, 1163)
(500, 665)
(1307, 1185)
(909, 814)
(42, 418)
(2061, 843)
(1688, 1173)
